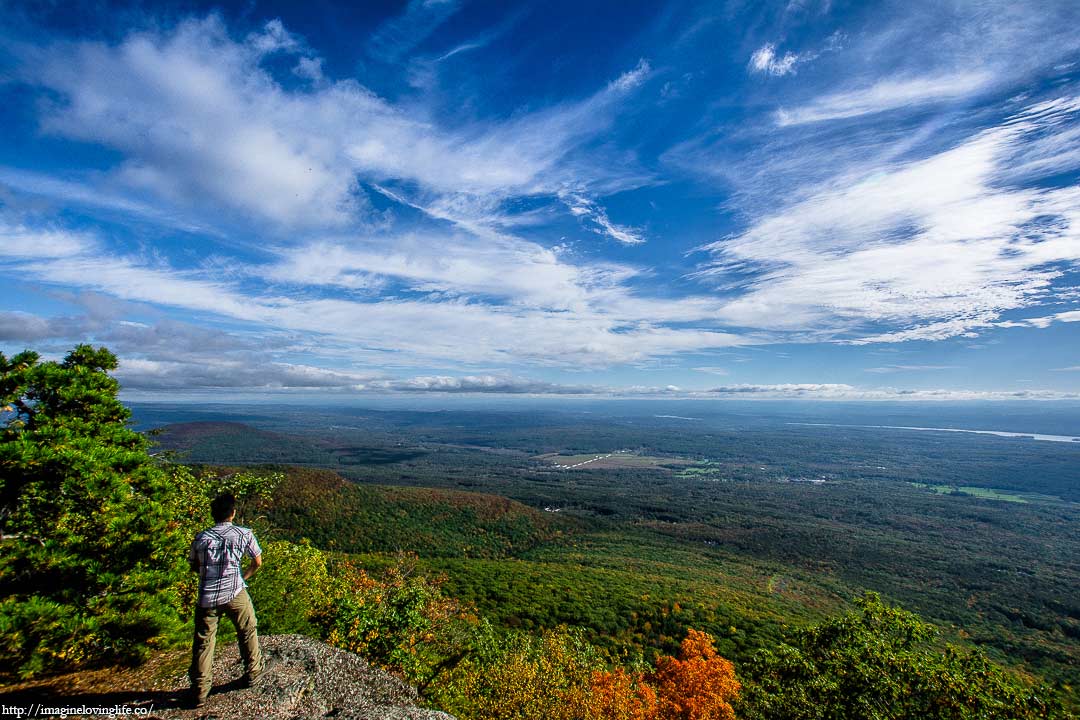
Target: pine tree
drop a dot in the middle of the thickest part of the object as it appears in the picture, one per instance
(89, 550)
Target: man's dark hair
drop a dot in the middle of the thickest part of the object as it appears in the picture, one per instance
(222, 507)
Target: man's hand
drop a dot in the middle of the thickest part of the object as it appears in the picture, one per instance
(253, 566)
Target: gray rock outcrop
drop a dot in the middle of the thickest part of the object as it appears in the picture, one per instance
(305, 678)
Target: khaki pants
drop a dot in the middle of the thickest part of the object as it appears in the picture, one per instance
(242, 614)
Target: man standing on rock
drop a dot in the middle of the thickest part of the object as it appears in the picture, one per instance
(216, 554)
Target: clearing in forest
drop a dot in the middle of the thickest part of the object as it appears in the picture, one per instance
(610, 460)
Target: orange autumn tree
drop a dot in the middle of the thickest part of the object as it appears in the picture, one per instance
(698, 685)
(513, 675)
(620, 695)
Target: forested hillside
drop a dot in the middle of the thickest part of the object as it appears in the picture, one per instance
(742, 521)
(619, 605)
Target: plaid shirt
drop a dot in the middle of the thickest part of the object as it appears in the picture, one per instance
(216, 553)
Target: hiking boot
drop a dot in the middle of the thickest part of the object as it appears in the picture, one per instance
(196, 701)
(253, 679)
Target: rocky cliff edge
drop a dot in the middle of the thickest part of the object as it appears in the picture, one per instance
(304, 679)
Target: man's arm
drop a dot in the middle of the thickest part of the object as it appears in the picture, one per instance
(254, 552)
(253, 566)
(193, 558)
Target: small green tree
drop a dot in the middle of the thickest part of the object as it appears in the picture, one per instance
(88, 555)
(399, 620)
(514, 674)
(293, 590)
(879, 662)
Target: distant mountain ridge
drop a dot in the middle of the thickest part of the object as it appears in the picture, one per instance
(234, 442)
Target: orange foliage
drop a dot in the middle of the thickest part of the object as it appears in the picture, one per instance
(558, 676)
(619, 695)
(698, 685)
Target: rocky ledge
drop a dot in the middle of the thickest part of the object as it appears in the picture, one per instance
(304, 679)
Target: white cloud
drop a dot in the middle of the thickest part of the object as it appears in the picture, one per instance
(632, 79)
(891, 249)
(587, 210)
(884, 95)
(201, 121)
(1049, 153)
(453, 264)
(494, 384)
(22, 327)
(20, 241)
(929, 249)
(464, 47)
(274, 38)
(399, 35)
(528, 154)
(765, 60)
(309, 68)
(787, 389)
(83, 194)
(248, 373)
(768, 61)
(172, 356)
(561, 315)
(887, 369)
(843, 391)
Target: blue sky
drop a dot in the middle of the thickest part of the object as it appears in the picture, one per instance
(813, 199)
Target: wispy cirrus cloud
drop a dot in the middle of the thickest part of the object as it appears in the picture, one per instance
(884, 95)
(591, 213)
(397, 36)
(846, 392)
(452, 264)
(606, 324)
(487, 384)
(632, 79)
(247, 373)
(937, 246)
(766, 60)
(87, 194)
(888, 369)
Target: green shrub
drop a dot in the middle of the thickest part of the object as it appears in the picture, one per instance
(400, 620)
(513, 674)
(880, 662)
(292, 589)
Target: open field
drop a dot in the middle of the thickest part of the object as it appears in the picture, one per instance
(987, 493)
(611, 460)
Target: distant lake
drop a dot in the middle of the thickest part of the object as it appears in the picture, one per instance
(999, 433)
